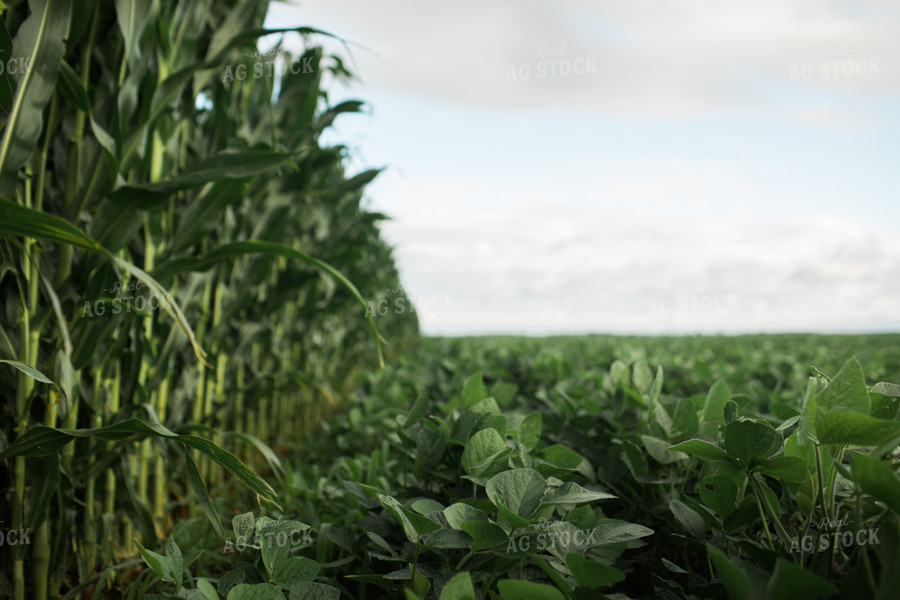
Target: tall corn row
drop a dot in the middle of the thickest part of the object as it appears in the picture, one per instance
(176, 258)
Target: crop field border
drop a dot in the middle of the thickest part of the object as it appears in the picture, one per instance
(206, 395)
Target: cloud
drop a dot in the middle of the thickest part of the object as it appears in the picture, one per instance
(702, 180)
(565, 268)
(673, 58)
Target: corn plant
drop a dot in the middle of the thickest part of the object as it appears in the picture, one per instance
(175, 269)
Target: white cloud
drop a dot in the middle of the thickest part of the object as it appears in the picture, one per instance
(759, 204)
(661, 58)
(565, 268)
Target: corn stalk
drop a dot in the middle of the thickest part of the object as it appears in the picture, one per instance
(152, 207)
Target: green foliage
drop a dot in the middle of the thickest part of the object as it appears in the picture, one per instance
(683, 489)
(282, 576)
(138, 174)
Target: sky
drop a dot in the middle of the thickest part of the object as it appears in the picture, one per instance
(640, 167)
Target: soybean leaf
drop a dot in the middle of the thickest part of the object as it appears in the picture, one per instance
(701, 449)
(719, 493)
(790, 581)
(846, 392)
(244, 526)
(485, 454)
(311, 590)
(690, 520)
(529, 430)
(459, 512)
(161, 565)
(656, 388)
(685, 422)
(718, 396)
(517, 589)
(207, 589)
(431, 445)
(592, 574)
(561, 456)
(446, 539)
(414, 525)
(807, 428)
(736, 581)
(473, 390)
(519, 490)
(173, 553)
(660, 452)
(572, 493)
(419, 408)
(746, 440)
(291, 571)
(425, 506)
(510, 520)
(503, 392)
(553, 574)
(634, 458)
(877, 479)
(484, 534)
(642, 377)
(849, 427)
(458, 588)
(488, 407)
(615, 532)
(788, 468)
(255, 591)
(731, 411)
(886, 388)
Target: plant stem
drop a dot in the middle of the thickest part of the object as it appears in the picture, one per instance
(821, 486)
(239, 422)
(870, 577)
(24, 389)
(109, 501)
(762, 514)
(41, 554)
(89, 526)
(159, 474)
